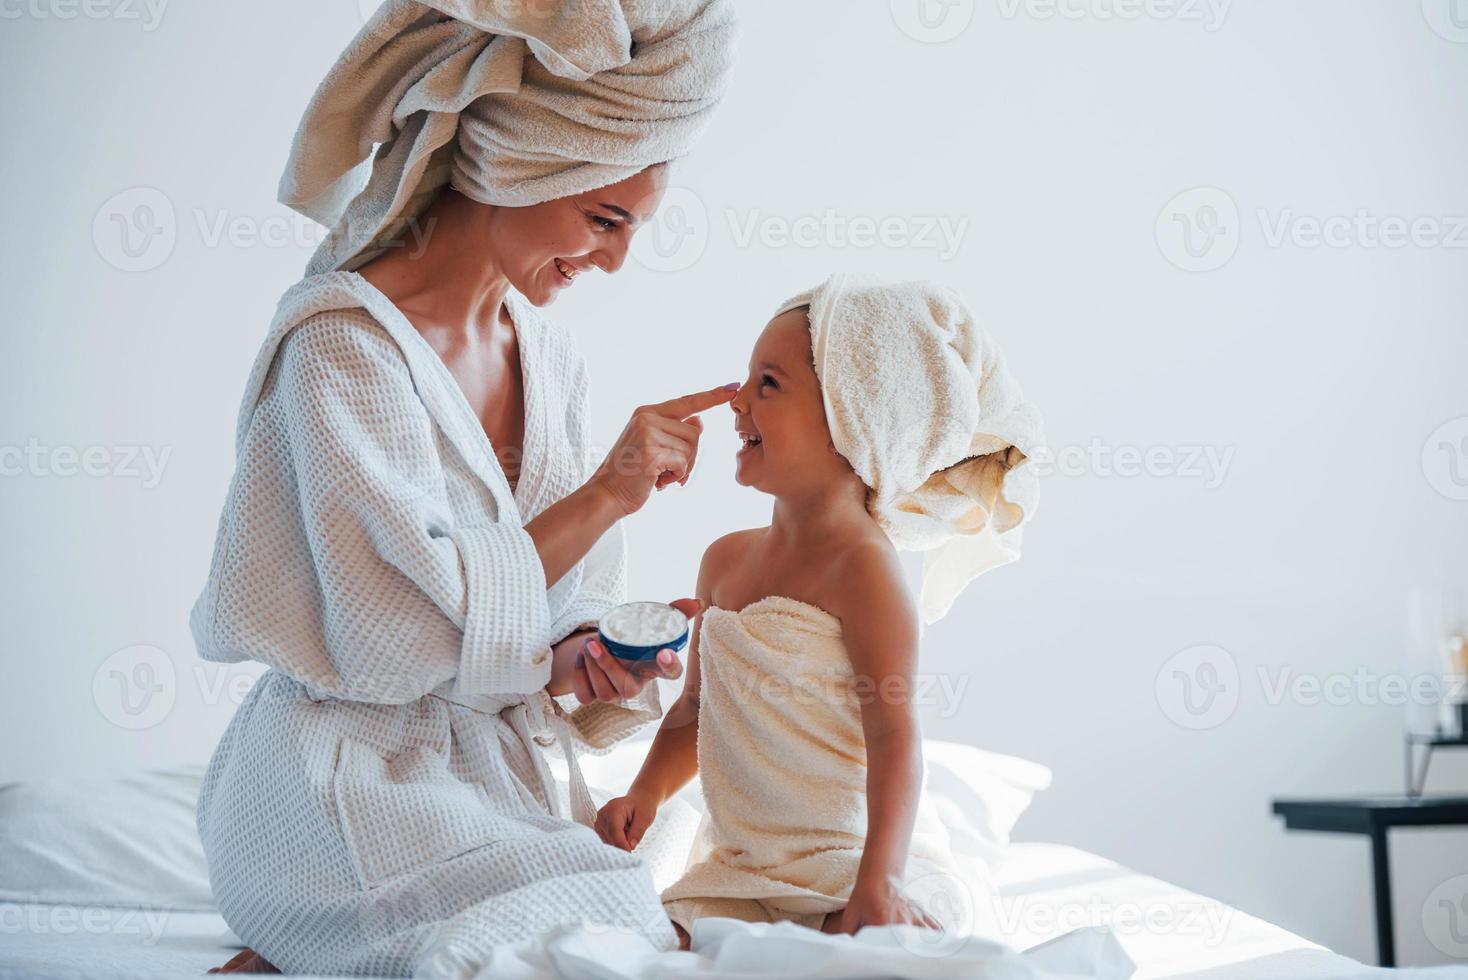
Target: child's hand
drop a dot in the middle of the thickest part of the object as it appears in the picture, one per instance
(880, 903)
(623, 821)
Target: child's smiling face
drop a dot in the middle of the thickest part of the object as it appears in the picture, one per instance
(781, 416)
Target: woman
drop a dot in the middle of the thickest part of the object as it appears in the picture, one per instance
(417, 540)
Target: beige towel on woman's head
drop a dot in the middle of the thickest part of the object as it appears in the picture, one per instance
(918, 400)
(515, 101)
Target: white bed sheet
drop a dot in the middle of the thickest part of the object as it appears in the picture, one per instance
(1169, 932)
(1045, 889)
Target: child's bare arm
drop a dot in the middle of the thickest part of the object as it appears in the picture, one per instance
(880, 626)
(673, 759)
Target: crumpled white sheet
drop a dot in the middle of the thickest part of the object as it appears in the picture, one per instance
(728, 948)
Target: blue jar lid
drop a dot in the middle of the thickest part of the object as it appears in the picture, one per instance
(667, 630)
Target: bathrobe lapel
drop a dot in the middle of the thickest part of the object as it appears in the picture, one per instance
(549, 468)
(436, 386)
(542, 446)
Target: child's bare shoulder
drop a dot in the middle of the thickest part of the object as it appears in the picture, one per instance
(734, 544)
(868, 576)
(726, 552)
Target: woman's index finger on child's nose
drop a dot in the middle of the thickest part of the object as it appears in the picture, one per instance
(701, 401)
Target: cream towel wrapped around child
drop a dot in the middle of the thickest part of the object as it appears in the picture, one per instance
(782, 763)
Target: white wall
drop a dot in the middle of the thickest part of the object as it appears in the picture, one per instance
(1058, 142)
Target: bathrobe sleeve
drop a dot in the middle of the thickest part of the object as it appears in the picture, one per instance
(602, 724)
(410, 597)
(603, 585)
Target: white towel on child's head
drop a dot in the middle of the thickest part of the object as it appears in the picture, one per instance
(918, 400)
(516, 103)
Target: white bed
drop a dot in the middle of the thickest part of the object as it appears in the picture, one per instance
(1045, 889)
(105, 879)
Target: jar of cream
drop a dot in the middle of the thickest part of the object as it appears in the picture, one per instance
(636, 631)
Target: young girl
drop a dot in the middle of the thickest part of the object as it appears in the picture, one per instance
(878, 417)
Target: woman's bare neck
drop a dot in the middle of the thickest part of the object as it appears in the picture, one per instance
(442, 280)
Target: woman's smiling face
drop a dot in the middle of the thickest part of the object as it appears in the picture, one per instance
(780, 415)
(543, 248)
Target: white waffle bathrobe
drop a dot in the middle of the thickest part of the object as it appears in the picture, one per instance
(381, 803)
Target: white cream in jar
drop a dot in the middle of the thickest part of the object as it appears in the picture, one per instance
(638, 630)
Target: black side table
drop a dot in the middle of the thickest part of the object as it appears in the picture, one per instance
(1374, 816)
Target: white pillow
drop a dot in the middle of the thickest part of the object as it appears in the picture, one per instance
(132, 841)
(979, 796)
(127, 841)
